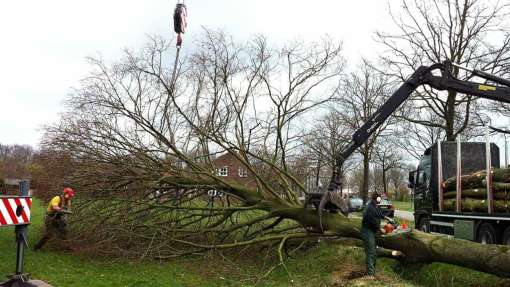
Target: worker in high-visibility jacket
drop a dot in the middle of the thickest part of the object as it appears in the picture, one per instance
(54, 221)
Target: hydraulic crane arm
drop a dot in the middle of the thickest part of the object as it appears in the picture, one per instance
(422, 76)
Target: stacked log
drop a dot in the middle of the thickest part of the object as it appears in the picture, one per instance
(469, 181)
(477, 205)
(474, 191)
(478, 193)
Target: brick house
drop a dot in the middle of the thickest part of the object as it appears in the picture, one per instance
(231, 169)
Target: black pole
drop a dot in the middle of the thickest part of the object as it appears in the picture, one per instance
(21, 231)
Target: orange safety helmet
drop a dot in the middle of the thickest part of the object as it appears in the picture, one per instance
(69, 191)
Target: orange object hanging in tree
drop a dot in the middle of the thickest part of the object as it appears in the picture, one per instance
(180, 21)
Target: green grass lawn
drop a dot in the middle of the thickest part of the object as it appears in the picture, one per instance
(326, 264)
(64, 269)
(403, 205)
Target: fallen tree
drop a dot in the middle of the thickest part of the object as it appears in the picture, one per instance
(214, 230)
(416, 246)
(145, 144)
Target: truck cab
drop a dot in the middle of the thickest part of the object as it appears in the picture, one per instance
(493, 228)
(420, 183)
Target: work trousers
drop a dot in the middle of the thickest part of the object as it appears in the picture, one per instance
(55, 226)
(368, 237)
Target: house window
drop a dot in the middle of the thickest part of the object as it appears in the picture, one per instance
(243, 172)
(223, 171)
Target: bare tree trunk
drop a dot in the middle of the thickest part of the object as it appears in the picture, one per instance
(366, 177)
(450, 116)
(385, 183)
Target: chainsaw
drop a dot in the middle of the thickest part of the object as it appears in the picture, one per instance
(392, 226)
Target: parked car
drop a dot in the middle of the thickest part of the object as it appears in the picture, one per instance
(355, 204)
(387, 208)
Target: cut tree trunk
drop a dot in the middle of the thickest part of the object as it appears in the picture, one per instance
(478, 193)
(500, 178)
(469, 181)
(501, 186)
(477, 205)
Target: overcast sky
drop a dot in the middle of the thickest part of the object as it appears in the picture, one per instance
(44, 43)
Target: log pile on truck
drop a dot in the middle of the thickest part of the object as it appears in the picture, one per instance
(474, 191)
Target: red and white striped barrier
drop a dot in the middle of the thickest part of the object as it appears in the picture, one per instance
(15, 210)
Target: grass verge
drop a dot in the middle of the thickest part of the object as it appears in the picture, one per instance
(324, 264)
(403, 205)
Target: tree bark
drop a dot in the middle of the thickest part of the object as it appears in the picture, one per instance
(385, 184)
(450, 116)
(366, 177)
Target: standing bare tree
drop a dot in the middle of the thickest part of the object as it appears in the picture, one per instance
(364, 92)
(386, 157)
(324, 143)
(418, 137)
(469, 32)
(398, 177)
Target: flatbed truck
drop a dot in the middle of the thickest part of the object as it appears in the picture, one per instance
(482, 226)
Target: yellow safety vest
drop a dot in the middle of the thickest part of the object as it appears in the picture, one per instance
(57, 201)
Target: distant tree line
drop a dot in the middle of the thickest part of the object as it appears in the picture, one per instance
(46, 169)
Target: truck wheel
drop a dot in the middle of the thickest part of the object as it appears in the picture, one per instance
(506, 236)
(487, 234)
(424, 224)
